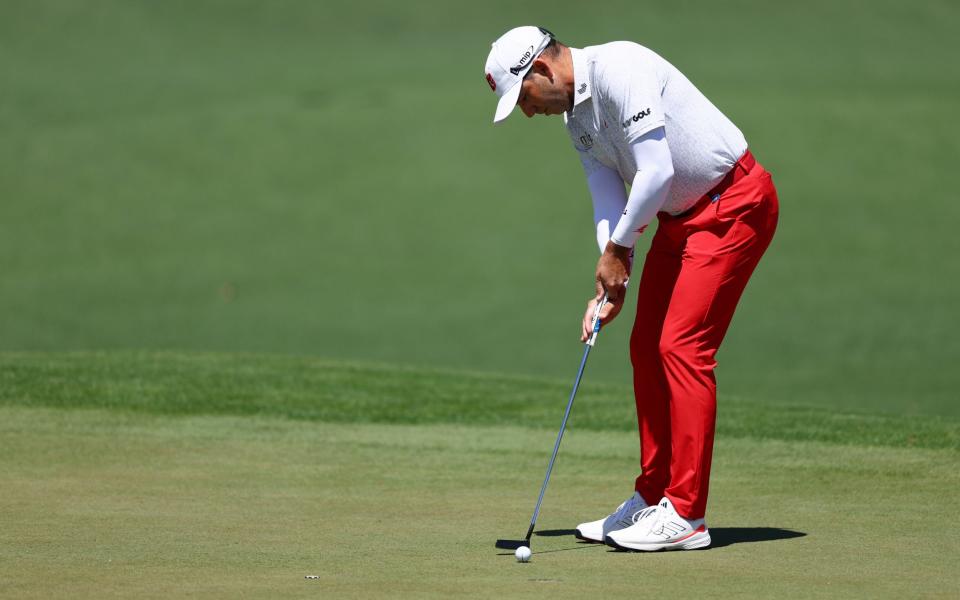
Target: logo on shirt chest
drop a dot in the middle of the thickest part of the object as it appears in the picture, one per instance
(587, 141)
(635, 118)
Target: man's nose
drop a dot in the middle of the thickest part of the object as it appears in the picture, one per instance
(527, 110)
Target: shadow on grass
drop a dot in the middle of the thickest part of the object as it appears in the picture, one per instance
(727, 536)
(555, 532)
(721, 536)
(581, 545)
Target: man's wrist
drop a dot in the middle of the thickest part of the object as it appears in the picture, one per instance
(617, 250)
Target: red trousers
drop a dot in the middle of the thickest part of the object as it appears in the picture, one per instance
(697, 268)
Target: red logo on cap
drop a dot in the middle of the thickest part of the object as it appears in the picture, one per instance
(493, 84)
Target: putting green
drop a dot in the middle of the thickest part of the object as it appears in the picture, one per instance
(117, 502)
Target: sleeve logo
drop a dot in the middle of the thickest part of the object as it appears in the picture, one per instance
(635, 118)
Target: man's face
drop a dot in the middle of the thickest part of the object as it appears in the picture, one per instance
(541, 93)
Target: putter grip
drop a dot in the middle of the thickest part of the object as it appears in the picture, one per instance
(596, 321)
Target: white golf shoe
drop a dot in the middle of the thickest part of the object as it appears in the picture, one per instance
(661, 528)
(625, 516)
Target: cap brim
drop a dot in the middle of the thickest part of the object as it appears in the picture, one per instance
(507, 102)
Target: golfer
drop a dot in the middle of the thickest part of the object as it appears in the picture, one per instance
(652, 145)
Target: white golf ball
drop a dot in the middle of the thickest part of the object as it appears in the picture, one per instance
(522, 554)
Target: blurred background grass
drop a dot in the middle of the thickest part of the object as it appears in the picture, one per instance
(323, 179)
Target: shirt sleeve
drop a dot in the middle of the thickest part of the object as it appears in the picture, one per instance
(649, 188)
(631, 91)
(609, 198)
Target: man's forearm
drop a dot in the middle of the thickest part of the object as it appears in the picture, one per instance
(609, 199)
(649, 189)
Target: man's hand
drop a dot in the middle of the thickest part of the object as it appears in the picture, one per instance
(613, 270)
(608, 313)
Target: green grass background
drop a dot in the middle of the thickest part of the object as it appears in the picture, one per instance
(276, 299)
(323, 179)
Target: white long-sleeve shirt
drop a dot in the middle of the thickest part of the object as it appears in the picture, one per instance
(623, 94)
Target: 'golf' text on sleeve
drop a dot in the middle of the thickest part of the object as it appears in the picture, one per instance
(631, 91)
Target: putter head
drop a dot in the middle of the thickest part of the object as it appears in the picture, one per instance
(512, 544)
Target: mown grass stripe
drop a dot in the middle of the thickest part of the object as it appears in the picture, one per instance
(321, 390)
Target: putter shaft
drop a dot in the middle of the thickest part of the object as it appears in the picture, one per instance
(566, 415)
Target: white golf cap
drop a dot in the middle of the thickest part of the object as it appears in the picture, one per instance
(509, 60)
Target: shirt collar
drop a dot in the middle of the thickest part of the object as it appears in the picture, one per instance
(581, 80)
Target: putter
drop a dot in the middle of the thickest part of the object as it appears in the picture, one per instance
(514, 544)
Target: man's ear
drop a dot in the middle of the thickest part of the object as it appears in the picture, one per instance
(542, 67)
